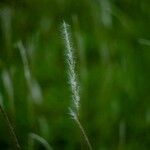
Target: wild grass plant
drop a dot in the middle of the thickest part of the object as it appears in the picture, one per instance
(72, 77)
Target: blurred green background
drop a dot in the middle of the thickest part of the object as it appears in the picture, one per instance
(111, 39)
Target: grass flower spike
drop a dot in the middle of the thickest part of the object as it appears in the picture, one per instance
(74, 109)
(71, 71)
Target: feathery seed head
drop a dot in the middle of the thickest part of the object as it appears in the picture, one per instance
(71, 71)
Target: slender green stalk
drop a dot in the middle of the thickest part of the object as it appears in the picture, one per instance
(83, 132)
(10, 128)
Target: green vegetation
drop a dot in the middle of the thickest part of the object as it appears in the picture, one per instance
(111, 41)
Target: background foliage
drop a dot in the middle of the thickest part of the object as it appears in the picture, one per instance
(112, 47)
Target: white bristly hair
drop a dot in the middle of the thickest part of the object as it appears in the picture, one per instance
(71, 71)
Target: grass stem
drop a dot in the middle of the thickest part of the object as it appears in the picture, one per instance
(10, 128)
(83, 132)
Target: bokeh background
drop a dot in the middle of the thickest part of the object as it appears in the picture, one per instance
(111, 39)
